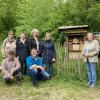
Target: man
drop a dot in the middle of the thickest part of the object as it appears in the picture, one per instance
(35, 67)
(11, 67)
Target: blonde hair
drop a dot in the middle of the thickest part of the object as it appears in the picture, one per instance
(35, 31)
(91, 34)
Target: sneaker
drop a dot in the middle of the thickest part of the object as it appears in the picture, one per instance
(35, 83)
(92, 86)
(89, 83)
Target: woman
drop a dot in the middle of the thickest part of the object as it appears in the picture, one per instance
(22, 51)
(90, 53)
(34, 42)
(8, 44)
(49, 53)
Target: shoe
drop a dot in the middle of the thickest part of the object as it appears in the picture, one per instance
(19, 79)
(89, 83)
(19, 83)
(35, 83)
(92, 85)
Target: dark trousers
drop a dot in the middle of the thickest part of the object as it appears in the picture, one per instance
(50, 69)
(17, 74)
(35, 74)
(23, 66)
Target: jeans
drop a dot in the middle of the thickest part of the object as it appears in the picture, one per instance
(34, 73)
(91, 69)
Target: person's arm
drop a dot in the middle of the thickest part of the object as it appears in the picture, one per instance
(3, 47)
(17, 49)
(40, 64)
(30, 44)
(96, 50)
(54, 52)
(18, 65)
(4, 70)
(83, 53)
(30, 64)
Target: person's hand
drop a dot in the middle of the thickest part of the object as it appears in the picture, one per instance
(86, 55)
(11, 73)
(53, 60)
(42, 68)
(12, 77)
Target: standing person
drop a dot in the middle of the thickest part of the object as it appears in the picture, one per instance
(34, 42)
(36, 67)
(90, 53)
(22, 50)
(11, 68)
(8, 44)
(49, 53)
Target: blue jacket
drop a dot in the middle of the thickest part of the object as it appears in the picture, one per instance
(49, 51)
(31, 61)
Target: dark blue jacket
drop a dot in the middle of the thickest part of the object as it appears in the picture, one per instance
(22, 50)
(48, 51)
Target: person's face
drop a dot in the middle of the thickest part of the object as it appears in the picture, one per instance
(34, 34)
(90, 36)
(11, 56)
(11, 35)
(22, 36)
(34, 53)
(48, 36)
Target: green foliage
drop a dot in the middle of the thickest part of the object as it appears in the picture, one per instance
(47, 15)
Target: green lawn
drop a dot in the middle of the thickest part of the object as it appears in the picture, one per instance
(54, 89)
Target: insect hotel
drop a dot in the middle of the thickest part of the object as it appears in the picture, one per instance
(75, 36)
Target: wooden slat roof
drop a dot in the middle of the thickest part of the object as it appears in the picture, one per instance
(72, 27)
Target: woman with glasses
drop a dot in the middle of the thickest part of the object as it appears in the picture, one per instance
(22, 51)
(8, 44)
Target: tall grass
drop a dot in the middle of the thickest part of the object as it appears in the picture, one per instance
(72, 69)
(69, 69)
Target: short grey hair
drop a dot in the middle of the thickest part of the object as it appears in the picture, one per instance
(35, 31)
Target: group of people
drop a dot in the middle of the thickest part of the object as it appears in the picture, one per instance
(31, 56)
(28, 56)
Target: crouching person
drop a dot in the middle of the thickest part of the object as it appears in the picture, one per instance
(35, 68)
(11, 68)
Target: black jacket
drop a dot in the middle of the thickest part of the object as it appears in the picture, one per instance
(22, 50)
(32, 44)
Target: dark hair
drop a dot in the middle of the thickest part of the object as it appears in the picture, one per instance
(33, 49)
(10, 32)
(12, 52)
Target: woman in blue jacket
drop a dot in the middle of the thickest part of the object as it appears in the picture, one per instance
(49, 53)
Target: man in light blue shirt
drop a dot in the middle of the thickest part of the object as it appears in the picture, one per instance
(35, 67)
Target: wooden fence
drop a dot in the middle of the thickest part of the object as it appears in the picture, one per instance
(71, 69)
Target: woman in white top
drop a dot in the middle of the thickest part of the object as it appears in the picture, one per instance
(8, 44)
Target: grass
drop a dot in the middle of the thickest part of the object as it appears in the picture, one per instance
(54, 89)
(60, 87)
